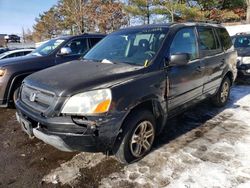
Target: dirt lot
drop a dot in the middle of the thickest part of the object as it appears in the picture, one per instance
(205, 147)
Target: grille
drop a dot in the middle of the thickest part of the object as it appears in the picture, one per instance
(36, 98)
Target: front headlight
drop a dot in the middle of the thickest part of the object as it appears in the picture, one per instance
(91, 102)
(2, 71)
(245, 60)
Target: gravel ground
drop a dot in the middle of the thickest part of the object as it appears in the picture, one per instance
(204, 147)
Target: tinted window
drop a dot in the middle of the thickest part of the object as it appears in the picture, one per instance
(26, 52)
(12, 55)
(93, 41)
(207, 39)
(224, 38)
(19, 54)
(185, 42)
(78, 46)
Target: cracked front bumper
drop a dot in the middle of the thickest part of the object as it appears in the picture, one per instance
(92, 134)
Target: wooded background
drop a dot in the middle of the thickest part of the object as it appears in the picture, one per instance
(105, 16)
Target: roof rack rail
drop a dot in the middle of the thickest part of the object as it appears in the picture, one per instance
(205, 21)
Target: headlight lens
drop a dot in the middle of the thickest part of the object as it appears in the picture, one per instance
(91, 102)
(2, 71)
(245, 60)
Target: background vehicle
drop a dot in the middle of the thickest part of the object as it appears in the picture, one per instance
(242, 45)
(15, 53)
(54, 52)
(120, 96)
(2, 50)
(12, 38)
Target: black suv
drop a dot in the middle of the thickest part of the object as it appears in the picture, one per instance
(119, 97)
(242, 45)
(53, 52)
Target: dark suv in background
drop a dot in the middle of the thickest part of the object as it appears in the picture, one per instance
(53, 52)
(119, 97)
(242, 45)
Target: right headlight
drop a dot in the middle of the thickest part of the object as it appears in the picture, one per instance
(91, 102)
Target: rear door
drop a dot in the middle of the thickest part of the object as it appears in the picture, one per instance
(212, 56)
(185, 82)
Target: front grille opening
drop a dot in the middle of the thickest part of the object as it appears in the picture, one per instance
(36, 98)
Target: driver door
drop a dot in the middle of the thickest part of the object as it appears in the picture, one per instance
(185, 81)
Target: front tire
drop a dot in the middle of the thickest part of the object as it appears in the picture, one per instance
(222, 95)
(138, 136)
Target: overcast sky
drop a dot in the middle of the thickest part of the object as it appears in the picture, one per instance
(15, 14)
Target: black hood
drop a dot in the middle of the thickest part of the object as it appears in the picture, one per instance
(17, 60)
(78, 76)
(243, 52)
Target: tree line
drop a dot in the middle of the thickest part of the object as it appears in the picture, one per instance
(105, 16)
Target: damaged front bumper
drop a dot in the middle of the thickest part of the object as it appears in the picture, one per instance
(67, 133)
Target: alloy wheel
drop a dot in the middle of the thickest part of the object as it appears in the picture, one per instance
(142, 139)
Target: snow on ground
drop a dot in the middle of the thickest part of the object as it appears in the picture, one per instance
(207, 147)
(219, 158)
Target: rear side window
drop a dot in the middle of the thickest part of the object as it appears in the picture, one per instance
(19, 54)
(185, 42)
(224, 38)
(209, 43)
(93, 41)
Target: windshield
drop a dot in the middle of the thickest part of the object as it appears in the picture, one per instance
(242, 42)
(132, 47)
(47, 48)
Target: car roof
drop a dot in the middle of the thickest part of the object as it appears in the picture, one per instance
(87, 35)
(169, 25)
(241, 34)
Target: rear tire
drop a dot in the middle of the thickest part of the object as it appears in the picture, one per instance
(222, 95)
(137, 138)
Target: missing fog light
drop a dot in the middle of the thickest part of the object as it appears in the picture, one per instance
(80, 120)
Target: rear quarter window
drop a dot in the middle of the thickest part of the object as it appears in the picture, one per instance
(224, 38)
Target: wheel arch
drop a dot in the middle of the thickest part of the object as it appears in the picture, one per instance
(15, 82)
(153, 106)
(229, 74)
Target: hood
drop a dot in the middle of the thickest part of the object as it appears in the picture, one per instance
(79, 76)
(243, 52)
(17, 60)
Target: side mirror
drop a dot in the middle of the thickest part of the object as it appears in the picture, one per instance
(179, 59)
(65, 51)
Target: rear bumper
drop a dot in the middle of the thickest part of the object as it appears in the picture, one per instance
(92, 134)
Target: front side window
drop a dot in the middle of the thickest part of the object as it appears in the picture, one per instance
(224, 38)
(78, 46)
(94, 41)
(185, 42)
(135, 47)
(47, 48)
